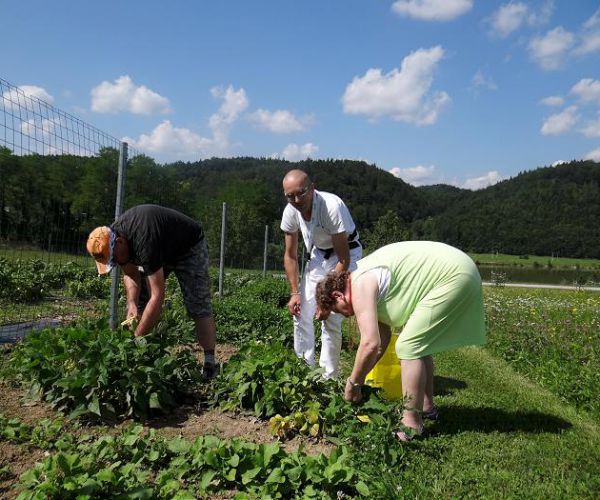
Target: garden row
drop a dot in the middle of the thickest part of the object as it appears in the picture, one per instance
(32, 280)
(98, 376)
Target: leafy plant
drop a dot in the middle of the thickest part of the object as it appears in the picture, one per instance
(136, 464)
(91, 370)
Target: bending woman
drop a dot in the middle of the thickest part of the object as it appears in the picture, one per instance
(430, 289)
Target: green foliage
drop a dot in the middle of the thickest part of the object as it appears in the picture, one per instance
(389, 228)
(48, 197)
(271, 382)
(552, 336)
(138, 465)
(272, 291)
(42, 435)
(92, 287)
(93, 371)
(547, 211)
(240, 319)
(25, 281)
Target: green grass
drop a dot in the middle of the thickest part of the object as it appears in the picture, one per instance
(43, 255)
(552, 336)
(500, 436)
(534, 261)
(520, 417)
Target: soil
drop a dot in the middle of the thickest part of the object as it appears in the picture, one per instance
(187, 421)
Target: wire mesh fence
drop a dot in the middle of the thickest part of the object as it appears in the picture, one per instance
(58, 180)
(51, 163)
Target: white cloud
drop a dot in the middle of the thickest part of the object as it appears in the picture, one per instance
(559, 162)
(587, 90)
(590, 43)
(182, 143)
(480, 80)
(592, 129)
(432, 10)
(234, 103)
(417, 176)
(37, 92)
(553, 100)
(594, 21)
(26, 97)
(513, 15)
(280, 121)
(168, 140)
(508, 18)
(542, 16)
(400, 94)
(561, 122)
(124, 96)
(483, 181)
(40, 128)
(593, 155)
(297, 152)
(549, 50)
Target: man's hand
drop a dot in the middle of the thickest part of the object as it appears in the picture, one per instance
(130, 323)
(132, 311)
(294, 304)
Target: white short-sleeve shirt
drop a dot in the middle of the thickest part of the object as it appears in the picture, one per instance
(330, 215)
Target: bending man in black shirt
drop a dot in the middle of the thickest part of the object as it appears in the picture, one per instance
(148, 242)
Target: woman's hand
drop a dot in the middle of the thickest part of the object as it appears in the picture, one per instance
(353, 392)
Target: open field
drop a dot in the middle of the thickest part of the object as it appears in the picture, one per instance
(519, 417)
(534, 261)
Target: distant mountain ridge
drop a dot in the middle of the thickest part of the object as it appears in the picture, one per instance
(545, 211)
(54, 201)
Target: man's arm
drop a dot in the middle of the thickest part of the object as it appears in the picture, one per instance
(156, 285)
(290, 264)
(132, 279)
(342, 250)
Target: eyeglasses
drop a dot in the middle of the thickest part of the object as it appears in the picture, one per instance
(299, 195)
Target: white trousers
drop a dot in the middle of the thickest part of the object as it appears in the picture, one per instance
(331, 329)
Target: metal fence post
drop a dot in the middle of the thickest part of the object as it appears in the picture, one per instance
(265, 254)
(222, 257)
(115, 273)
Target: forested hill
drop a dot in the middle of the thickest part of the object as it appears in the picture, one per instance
(551, 210)
(368, 190)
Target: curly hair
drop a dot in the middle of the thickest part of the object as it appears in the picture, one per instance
(335, 281)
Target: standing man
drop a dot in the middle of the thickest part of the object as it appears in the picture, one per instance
(331, 238)
(148, 242)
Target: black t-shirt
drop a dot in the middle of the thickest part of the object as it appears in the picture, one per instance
(157, 236)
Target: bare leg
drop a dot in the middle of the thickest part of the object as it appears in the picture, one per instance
(428, 400)
(414, 381)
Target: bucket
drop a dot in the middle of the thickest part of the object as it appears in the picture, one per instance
(386, 373)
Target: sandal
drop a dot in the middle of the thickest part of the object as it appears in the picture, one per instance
(432, 414)
(406, 434)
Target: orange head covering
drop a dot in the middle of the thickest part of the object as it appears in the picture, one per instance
(100, 245)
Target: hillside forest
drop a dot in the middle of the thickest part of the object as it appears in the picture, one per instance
(52, 202)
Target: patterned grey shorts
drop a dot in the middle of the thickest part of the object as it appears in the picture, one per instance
(192, 273)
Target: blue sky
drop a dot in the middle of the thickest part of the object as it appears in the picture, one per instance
(464, 92)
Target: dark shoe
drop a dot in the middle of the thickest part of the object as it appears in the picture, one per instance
(210, 370)
(432, 414)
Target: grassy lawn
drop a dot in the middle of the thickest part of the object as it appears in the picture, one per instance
(501, 436)
(534, 261)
